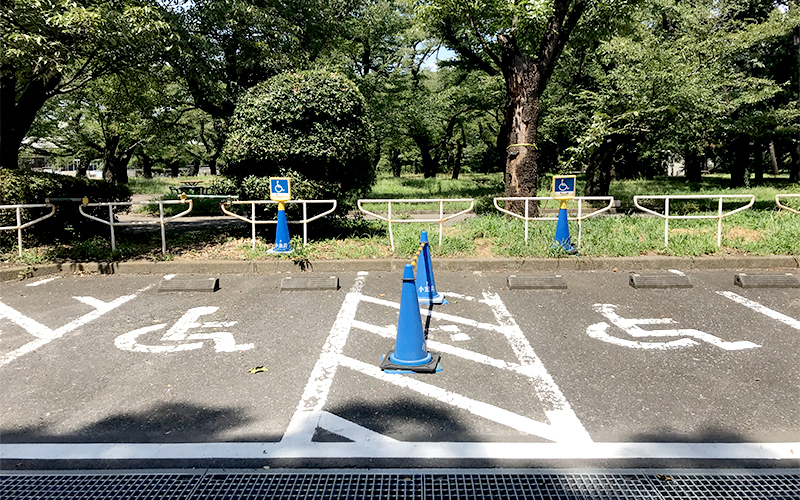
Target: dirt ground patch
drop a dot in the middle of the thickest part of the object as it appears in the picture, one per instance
(746, 235)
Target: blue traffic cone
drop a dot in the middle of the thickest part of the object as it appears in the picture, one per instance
(562, 239)
(410, 353)
(425, 284)
(282, 240)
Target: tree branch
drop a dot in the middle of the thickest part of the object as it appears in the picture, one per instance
(559, 28)
(464, 50)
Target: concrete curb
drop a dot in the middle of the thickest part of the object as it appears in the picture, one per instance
(388, 265)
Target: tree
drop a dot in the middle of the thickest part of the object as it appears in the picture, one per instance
(311, 122)
(115, 116)
(223, 49)
(53, 47)
(521, 41)
(681, 82)
(417, 109)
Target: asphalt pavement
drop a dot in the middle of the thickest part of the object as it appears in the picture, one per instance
(113, 369)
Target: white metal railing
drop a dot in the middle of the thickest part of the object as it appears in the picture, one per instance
(720, 215)
(252, 220)
(20, 226)
(580, 217)
(440, 220)
(778, 201)
(161, 219)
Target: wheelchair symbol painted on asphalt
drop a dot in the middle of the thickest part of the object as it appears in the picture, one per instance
(631, 327)
(177, 334)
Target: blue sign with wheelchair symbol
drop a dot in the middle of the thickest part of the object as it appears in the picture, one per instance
(563, 187)
(279, 189)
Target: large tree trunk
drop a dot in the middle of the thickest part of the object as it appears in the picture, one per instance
(740, 170)
(692, 165)
(773, 158)
(17, 115)
(115, 165)
(526, 78)
(758, 163)
(522, 116)
(794, 167)
(83, 166)
(460, 144)
(429, 165)
(147, 166)
(599, 170)
(394, 162)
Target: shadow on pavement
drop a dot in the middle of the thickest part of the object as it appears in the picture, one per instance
(163, 423)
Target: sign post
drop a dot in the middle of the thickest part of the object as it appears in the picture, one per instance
(563, 190)
(280, 191)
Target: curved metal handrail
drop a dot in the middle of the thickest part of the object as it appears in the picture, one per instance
(161, 219)
(20, 226)
(441, 220)
(253, 220)
(778, 201)
(720, 215)
(580, 217)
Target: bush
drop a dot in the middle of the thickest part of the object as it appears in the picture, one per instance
(313, 123)
(21, 186)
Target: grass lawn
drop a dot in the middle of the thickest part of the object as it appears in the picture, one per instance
(761, 230)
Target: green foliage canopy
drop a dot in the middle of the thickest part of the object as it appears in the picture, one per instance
(313, 123)
(52, 47)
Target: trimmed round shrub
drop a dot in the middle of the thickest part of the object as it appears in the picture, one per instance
(313, 123)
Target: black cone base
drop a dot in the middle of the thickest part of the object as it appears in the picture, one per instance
(429, 367)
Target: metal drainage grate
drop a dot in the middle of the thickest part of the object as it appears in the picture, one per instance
(275, 485)
(86, 486)
(311, 486)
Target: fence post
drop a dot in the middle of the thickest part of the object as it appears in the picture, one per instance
(111, 225)
(19, 231)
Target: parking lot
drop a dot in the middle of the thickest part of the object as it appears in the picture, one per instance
(109, 367)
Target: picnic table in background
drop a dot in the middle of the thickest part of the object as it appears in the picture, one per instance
(189, 187)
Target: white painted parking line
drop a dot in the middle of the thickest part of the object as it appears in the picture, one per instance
(306, 418)
(762, 309)
(562, 426)
(401, 450)
(345, 428)
(45, 335)
(42, 282)
(443, 396)
(631, 327)
(31, 326)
